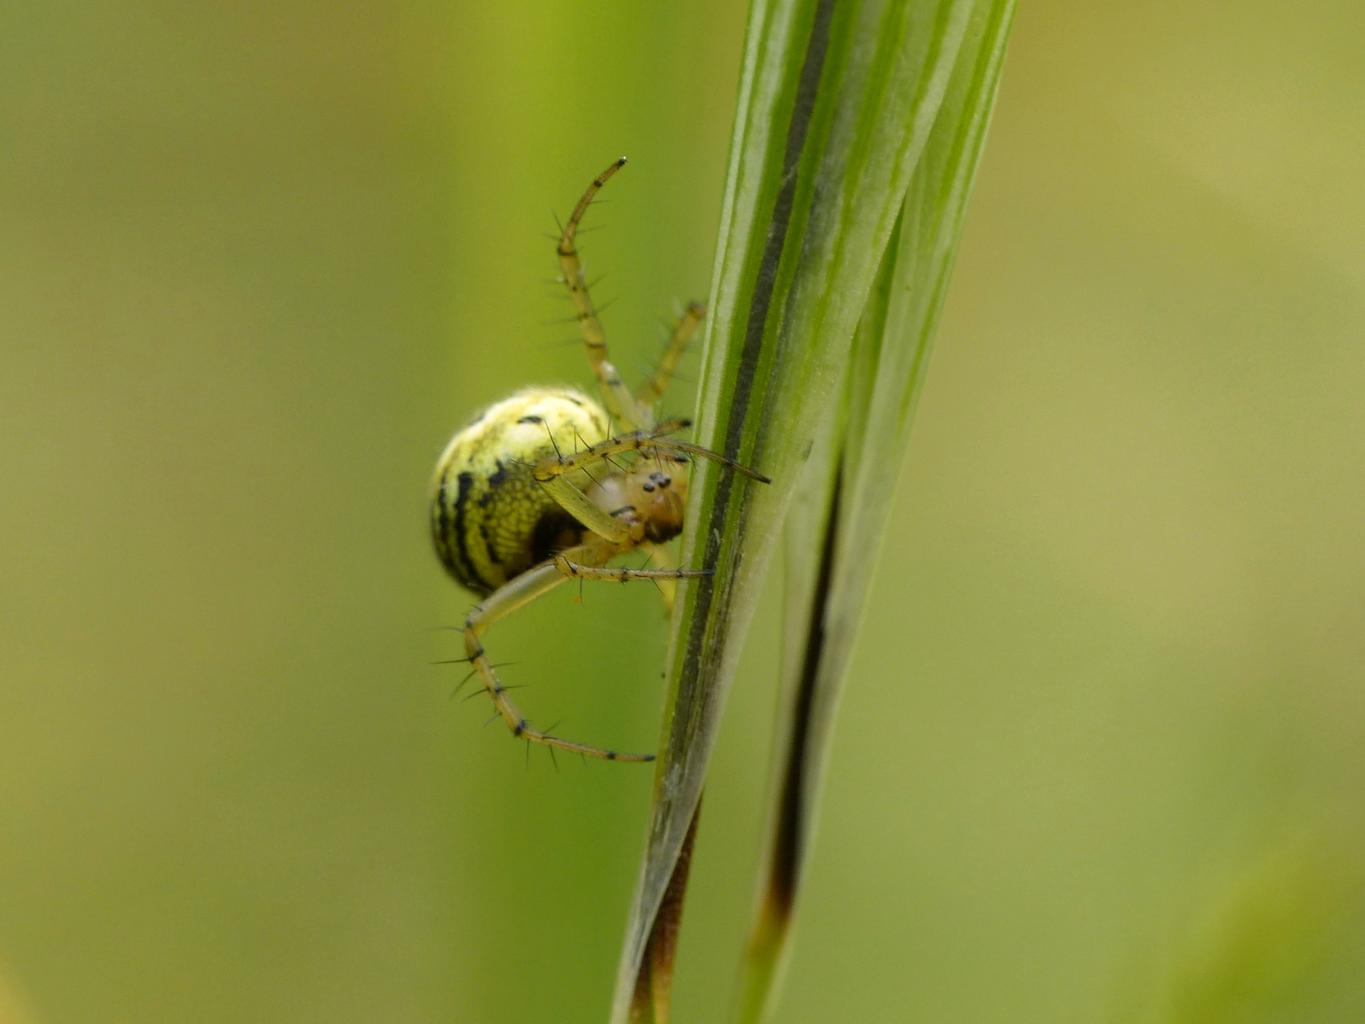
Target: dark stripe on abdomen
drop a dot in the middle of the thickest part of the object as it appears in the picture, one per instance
(466, 570)
(442, 537)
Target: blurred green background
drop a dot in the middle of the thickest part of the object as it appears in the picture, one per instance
(1103, 751)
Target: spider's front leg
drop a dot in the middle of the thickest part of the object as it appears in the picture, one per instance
(551, 471)
(653, 389)
(502, 602)
(622, 405)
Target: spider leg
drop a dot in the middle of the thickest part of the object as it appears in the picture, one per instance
(552, 474)
(668, 588)
(512, 595)
(585, 563)
(681, 449)
(552, 469)
(580, 506)
(615, 394)
(654, 388)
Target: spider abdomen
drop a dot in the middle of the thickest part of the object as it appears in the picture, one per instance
(490, 519)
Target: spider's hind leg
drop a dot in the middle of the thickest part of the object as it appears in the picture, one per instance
(514, 594)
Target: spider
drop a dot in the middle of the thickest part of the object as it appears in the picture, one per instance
(538, 489)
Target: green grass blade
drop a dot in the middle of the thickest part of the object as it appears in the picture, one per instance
(833, 535)
(836, 105)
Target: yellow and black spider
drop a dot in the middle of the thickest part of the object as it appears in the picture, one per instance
(538, 490)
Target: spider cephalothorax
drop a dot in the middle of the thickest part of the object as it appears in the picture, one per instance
(539, 489)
